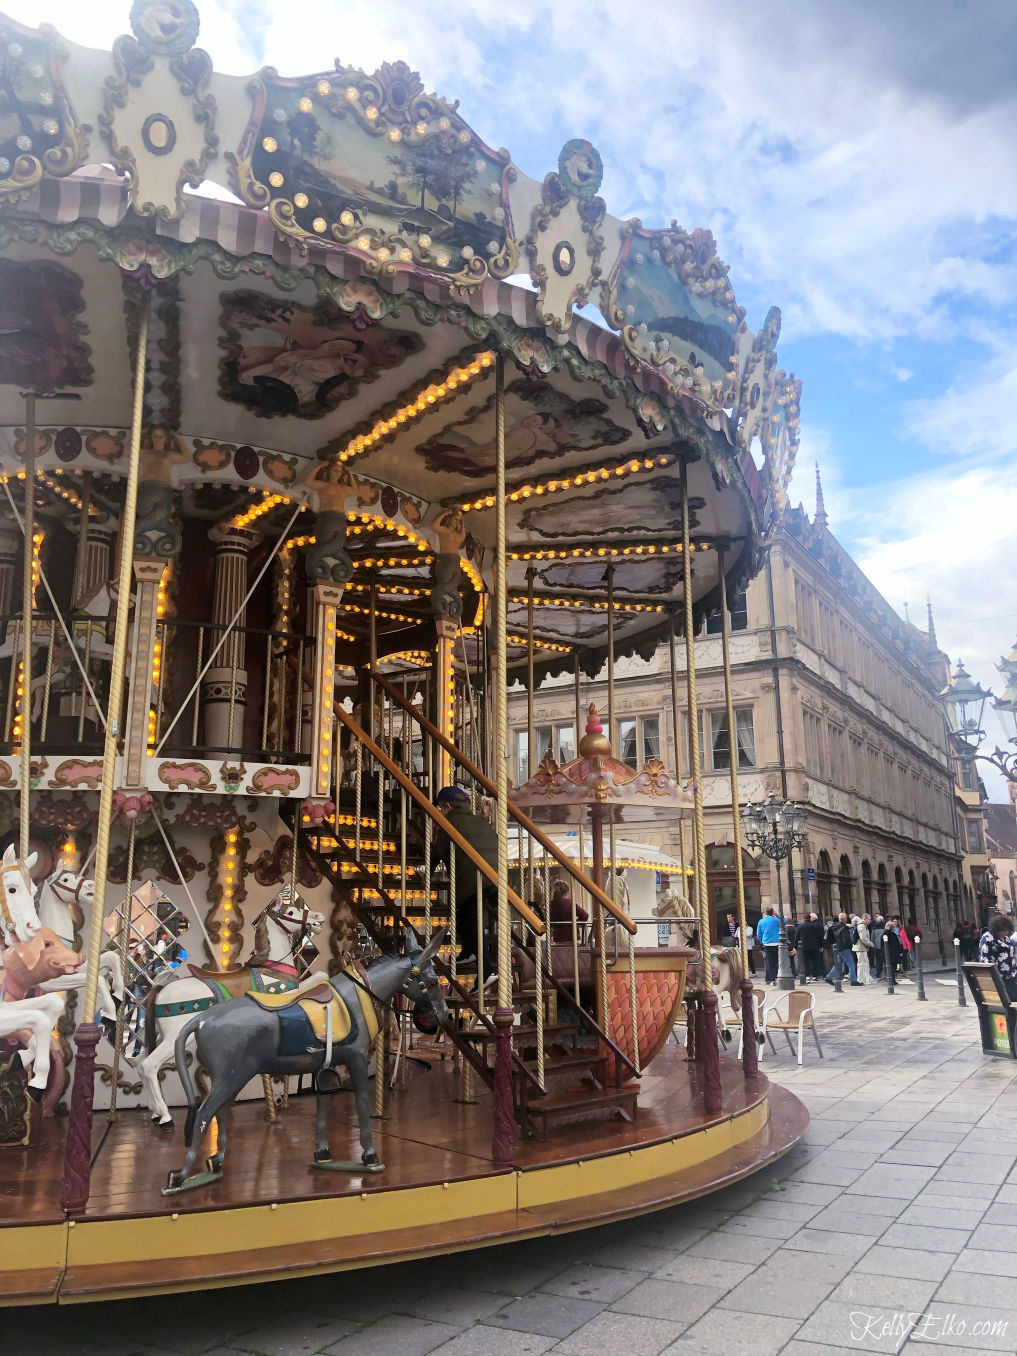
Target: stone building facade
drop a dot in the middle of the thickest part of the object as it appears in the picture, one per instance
(836, 705)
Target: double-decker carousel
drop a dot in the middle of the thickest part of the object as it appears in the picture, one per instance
(305, 458)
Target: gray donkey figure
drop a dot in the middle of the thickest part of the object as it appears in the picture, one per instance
(304, 1031)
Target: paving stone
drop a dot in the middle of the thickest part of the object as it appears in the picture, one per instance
(896, 1292)
(408, 1336)
(504, 1277)
(762, 1226)
(838, 1243)
(485, 1341)
(457, 1307)
(974, 1288)
(624, 1333)
(806, 1193)
(918, 1155)
(734, 1248)
(995, 1237)
(928, 1237)
(987, 1263)
(727, 1332)
(280, 1339)
(939, 1214)
(677, 1301)
(828, 1173)
(705, 1271)
(979, 1328)
(910, 1263)
(592, 1282)
(891, 1179)
(765, 1293)
(631, 1256)
(860, 1326)
(552, 1315)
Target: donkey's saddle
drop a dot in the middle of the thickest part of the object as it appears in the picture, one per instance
(316, 1002)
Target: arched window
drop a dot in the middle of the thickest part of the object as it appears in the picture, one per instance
(867, 886)
(927, 899)
(845, 885)
(935, 901)
(898, 886)
(721, 886)
(912, 896)
(824, 885)
(882, 890)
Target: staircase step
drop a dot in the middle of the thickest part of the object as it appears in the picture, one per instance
(551, 1113)
(550, 1029)
(554, 1064)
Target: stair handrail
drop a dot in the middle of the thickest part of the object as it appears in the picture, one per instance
(520, 816)
(524, 911)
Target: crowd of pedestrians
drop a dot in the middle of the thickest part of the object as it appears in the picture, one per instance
(860, 946)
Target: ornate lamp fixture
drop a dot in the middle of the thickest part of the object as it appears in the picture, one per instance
(965, 703)
(775, 828)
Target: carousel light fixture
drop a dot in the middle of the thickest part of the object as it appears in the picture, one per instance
(259, 510)
(228, 883)
(653, 548)
(422, 658)
(378, 612)
(540, 644)
(596, 604)
(160, 612)
(69, 856)
(457, 379)
(473, 575)
(396, 590)
(594, 474)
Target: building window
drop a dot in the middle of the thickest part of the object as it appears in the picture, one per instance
(738, 616)
(715, 739)
(558, 740)
(638, 739)
(976, 839)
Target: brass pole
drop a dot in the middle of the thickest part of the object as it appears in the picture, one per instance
(27, 605)
(503, 1140)
(531, 733)
(77, 1155)
(611, 728)
(676, 737)
(750, 1059)
(710, 1053)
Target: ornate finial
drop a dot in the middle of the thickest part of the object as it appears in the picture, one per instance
(594, 740)
(820, 519)
(932, 624)
(165, 28)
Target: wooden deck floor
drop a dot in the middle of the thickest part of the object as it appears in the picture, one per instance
(273, 1215)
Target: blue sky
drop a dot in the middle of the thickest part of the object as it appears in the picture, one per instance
(856, 162)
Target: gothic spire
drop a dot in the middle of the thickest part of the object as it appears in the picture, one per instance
(820, 519)
(932, 624)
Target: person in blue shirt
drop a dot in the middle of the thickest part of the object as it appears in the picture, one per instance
(768, 937)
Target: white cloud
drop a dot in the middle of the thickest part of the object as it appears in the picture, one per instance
(901, 373)
(973, 417)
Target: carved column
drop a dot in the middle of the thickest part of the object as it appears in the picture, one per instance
(447, 606)
(148, 574)
(224, 687)
(92, 566)
(328, 569)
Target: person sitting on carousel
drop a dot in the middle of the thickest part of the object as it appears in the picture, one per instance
(454, 804)
(561, 911)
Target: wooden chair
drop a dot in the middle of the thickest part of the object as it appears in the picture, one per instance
(799, 1015)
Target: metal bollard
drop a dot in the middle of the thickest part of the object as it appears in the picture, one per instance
(920, 972)
(838, 974)
(888, 964)
(962, 998)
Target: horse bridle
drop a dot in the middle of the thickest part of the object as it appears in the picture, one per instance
(62, 893)
(295, 927)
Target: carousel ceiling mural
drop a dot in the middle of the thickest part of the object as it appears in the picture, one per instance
(541, 424)
(42, 340)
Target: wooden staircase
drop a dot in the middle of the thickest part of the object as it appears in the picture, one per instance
(576, 1051)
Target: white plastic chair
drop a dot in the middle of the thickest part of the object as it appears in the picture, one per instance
(799, 1015)
(732, 1021)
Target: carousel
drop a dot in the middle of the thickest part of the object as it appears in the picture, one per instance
(306, 456)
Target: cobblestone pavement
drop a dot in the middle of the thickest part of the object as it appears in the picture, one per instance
(899, 1208)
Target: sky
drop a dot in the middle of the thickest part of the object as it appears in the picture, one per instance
(855, 160)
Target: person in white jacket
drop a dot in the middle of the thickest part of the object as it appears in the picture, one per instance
(861, 947)
(750, 942)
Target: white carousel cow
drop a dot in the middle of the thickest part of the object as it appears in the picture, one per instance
(25, 968)
(281, 931)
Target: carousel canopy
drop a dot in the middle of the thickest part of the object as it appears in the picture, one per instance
(628, 854)
(331, 261)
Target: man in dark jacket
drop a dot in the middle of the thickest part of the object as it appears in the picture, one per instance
(876, 933)
(454, 803)
(809, 944)
(842, 953)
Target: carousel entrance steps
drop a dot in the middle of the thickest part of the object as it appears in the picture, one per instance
(562, 1064)
(546, 1114)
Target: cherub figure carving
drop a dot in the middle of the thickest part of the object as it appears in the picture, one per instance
(157, 529)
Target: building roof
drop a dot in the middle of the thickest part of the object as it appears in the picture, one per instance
(1000, 829)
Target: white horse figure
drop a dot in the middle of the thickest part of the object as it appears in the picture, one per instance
(281, 931)
(19, 917)
(39, 1015)
(61, 906)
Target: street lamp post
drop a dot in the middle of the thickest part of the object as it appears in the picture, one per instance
(775, 828)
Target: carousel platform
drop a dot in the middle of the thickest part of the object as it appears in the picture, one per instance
(272, 1217)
